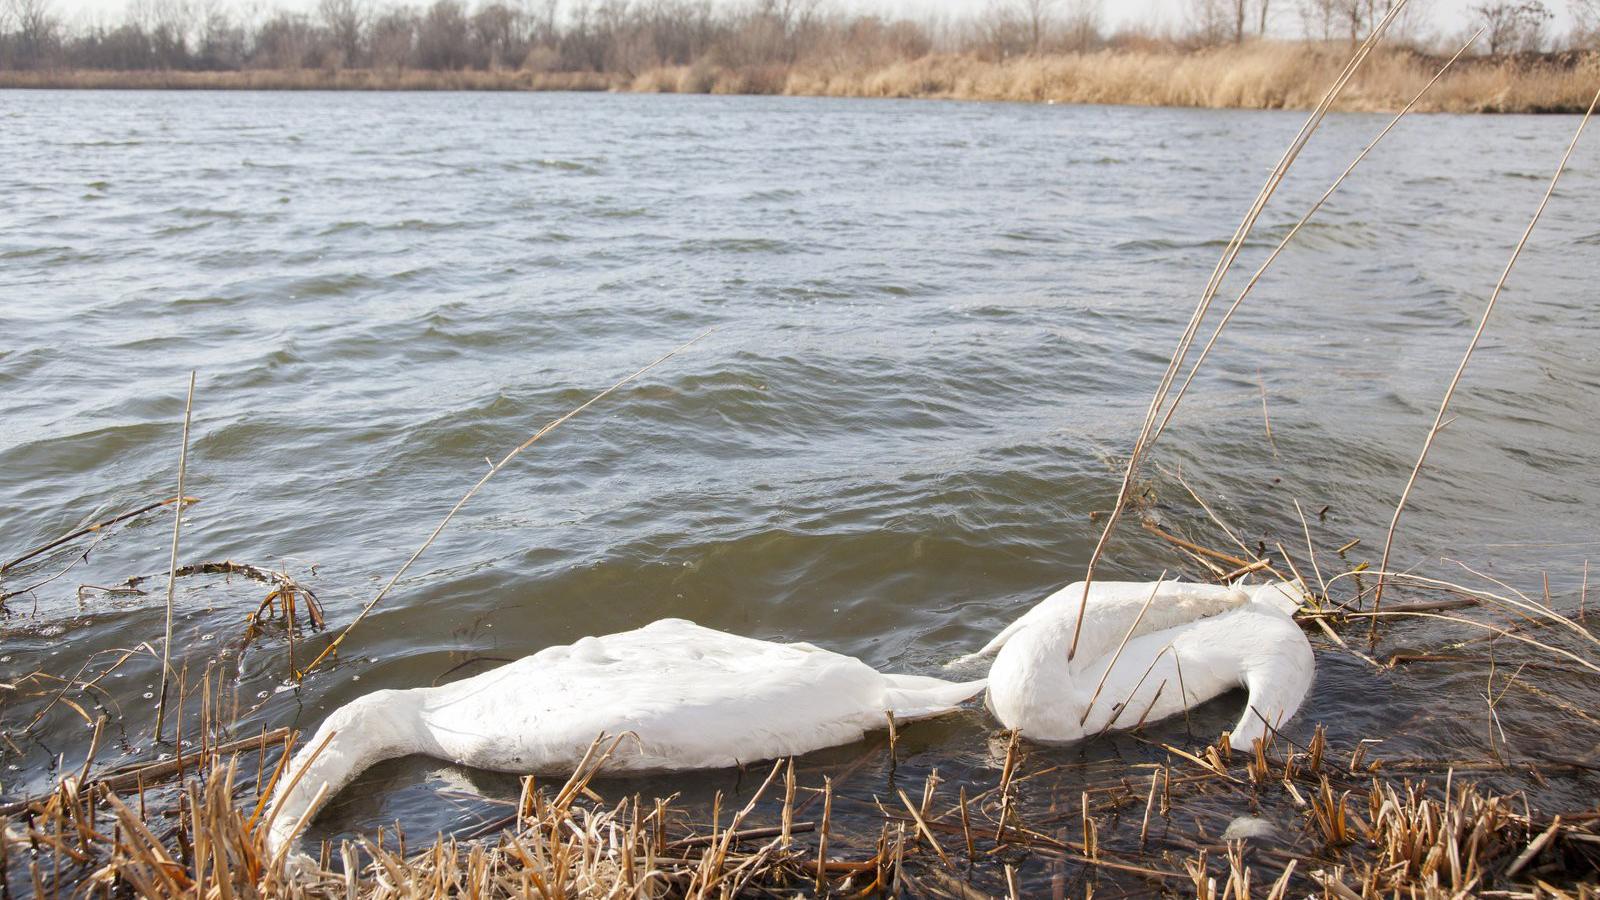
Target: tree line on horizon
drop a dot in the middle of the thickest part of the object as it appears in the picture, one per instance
(627, 37)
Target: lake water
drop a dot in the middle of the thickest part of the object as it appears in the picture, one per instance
(937, 326)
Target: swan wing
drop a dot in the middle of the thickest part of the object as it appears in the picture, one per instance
(1284, 596)
(690, 697)
(1162, 673)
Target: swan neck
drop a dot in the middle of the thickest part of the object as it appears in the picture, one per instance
(365, 731)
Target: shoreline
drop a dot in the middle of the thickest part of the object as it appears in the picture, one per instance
(1252, 76)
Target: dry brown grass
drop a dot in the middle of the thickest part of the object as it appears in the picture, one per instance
(1262, 75)
(1255, 76)
(200, 832)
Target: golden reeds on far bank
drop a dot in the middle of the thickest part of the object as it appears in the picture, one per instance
(1255, 75)
(1261, 75)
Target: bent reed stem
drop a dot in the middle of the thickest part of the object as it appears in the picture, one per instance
(1227, 316)
(1229, 254)
(493, 470)
(1450, 389)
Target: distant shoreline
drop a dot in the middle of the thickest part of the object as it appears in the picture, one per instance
(1262, 75)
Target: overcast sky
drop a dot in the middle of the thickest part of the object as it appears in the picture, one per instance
(1445, 15)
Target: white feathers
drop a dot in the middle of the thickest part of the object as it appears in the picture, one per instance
(1191, 643)
(1250, 828)
(687, 697)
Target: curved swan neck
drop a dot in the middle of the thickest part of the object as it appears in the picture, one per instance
(1278, 684)
(1031, 681)
(379, 726)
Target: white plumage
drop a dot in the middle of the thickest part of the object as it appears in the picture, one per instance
(1194, 642)
(689, 697)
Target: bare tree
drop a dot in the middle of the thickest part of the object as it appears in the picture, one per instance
(544, 22)
(346, 21)
(37, 31)
(288, 41)
(1003, 30)
(1358, 17)
(500, 33)
(1512, 27)
(393, 38)
(1317, 18)
(1585, 22)
(1081, 26)
(1209, 21)
(1036, 16)
(442, 36)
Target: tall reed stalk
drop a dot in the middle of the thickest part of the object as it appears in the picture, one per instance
(1477, 334)
(1229, 254)
(172, 567)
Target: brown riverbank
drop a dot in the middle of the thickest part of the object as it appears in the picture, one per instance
(1261, 75)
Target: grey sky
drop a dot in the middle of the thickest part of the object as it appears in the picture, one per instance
(1445, 15)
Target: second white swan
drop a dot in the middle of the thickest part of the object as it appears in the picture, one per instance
(1193, 642)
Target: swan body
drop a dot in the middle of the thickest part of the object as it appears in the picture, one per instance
(1194, 642)
(689, 697)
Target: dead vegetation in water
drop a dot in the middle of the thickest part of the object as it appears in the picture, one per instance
(1350, 821)
(1351, 831)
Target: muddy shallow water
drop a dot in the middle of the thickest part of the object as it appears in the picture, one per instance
(937, 326)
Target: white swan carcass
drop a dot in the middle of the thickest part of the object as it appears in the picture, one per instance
(688, 697)
(1194, 642)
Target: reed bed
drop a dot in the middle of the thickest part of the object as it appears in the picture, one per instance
(1346, 821)
(1266, 75)
(1258, 75)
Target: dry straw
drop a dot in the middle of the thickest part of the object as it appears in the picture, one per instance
(172, 570)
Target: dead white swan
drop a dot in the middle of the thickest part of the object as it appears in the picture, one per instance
(688, 697)
(1192, 642)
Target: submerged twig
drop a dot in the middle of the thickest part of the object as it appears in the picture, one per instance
(91, 529)
(1266, 420)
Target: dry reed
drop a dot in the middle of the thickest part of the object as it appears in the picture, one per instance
(494, 469)
(1229, 254)
(172, 569)
(1477, 334)
(1256, 75)
(1356, 825)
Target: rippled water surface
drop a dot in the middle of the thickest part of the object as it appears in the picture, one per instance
(936, 329)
